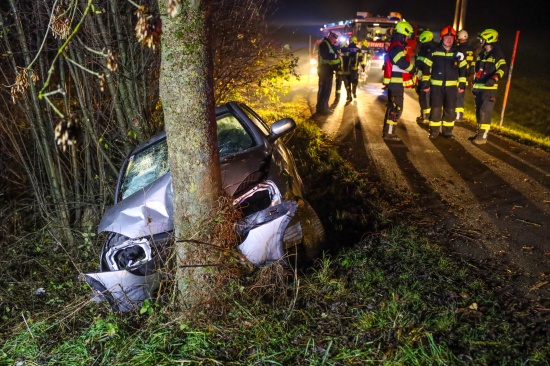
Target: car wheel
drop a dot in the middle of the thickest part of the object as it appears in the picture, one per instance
(312, 231)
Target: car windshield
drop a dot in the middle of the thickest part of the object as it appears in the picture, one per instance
(151, 163)
(145, 167)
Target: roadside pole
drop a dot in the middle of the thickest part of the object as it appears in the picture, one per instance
(509, 79)
(309, 61)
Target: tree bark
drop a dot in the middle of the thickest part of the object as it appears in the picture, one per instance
(186, 90)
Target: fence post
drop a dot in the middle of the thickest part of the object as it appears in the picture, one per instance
(509, 79)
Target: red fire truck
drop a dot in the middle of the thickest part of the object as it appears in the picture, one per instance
(373, 33)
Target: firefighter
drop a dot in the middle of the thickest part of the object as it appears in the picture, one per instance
(490, 68)
(468, 52)
(329, 61)
(426, 43)
(443, 76)
(352, 60)
(339, 74)
(398, 75)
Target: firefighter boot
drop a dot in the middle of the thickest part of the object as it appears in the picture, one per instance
(434, 132)
(481, 137)
(388, 133)
(447, 131)
(354, 90)
(472, 138)
(424, 118)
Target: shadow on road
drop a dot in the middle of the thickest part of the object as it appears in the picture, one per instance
(515, 216)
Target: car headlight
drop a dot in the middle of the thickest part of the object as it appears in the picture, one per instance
(128, 254)
(260, 197)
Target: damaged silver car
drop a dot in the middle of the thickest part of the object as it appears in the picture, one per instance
(258, 171)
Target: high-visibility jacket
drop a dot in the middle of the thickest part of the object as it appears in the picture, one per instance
(444, 68)
(352, 58)
(490, 65)
(328, 56)
(398, 66)
(424, 49)
(469, 57)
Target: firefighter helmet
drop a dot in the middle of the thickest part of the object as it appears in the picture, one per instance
(448, 31)
(353, 39)
(462, 35)
(489, 36)
(426, 36)
(404, 28)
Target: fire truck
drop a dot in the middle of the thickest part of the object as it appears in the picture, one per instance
(373, 34)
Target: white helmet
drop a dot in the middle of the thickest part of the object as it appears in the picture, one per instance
(462, 35)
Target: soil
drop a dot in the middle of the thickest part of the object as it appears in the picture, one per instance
(488, 204)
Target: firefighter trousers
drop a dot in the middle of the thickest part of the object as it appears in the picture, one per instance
(442, 114)
(424, 101)
(459, 106)
(325, 87)
(485, 103)
(395, 108)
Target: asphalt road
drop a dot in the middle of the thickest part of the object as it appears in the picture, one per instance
(490, 203)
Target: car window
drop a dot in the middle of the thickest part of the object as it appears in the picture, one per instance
(145, 167)
(256, 120)
(152, 163)
(232, 136)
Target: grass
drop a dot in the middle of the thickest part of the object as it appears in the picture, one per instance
(385, 295)
(526, 114)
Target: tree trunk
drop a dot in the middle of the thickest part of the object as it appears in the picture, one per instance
(186, 90)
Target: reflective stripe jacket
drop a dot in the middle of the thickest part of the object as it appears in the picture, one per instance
(469, 54)
(328, 55)
(352, 57)
(398, 66)
(490, 65)
(424, 49)
(444, 68)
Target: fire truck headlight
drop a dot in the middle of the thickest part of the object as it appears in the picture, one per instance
(313, 62)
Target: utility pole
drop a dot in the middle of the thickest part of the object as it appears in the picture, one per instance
(460, 14)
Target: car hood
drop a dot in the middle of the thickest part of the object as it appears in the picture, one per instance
(150, 210)
(146, 212)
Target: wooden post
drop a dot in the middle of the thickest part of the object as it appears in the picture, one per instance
(509, 79)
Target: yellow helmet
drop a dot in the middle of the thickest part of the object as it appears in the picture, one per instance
(353, 39)
(489, 36)
(404, 28)
(426, 36)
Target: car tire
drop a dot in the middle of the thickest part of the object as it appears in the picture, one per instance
(312, 231)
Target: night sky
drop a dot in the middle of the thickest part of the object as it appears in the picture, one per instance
(506, 16)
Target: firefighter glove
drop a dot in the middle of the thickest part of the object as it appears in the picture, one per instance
(491, 82)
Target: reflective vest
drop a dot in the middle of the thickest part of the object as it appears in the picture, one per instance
(328, 57)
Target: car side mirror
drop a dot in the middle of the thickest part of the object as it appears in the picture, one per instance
(281, 128)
